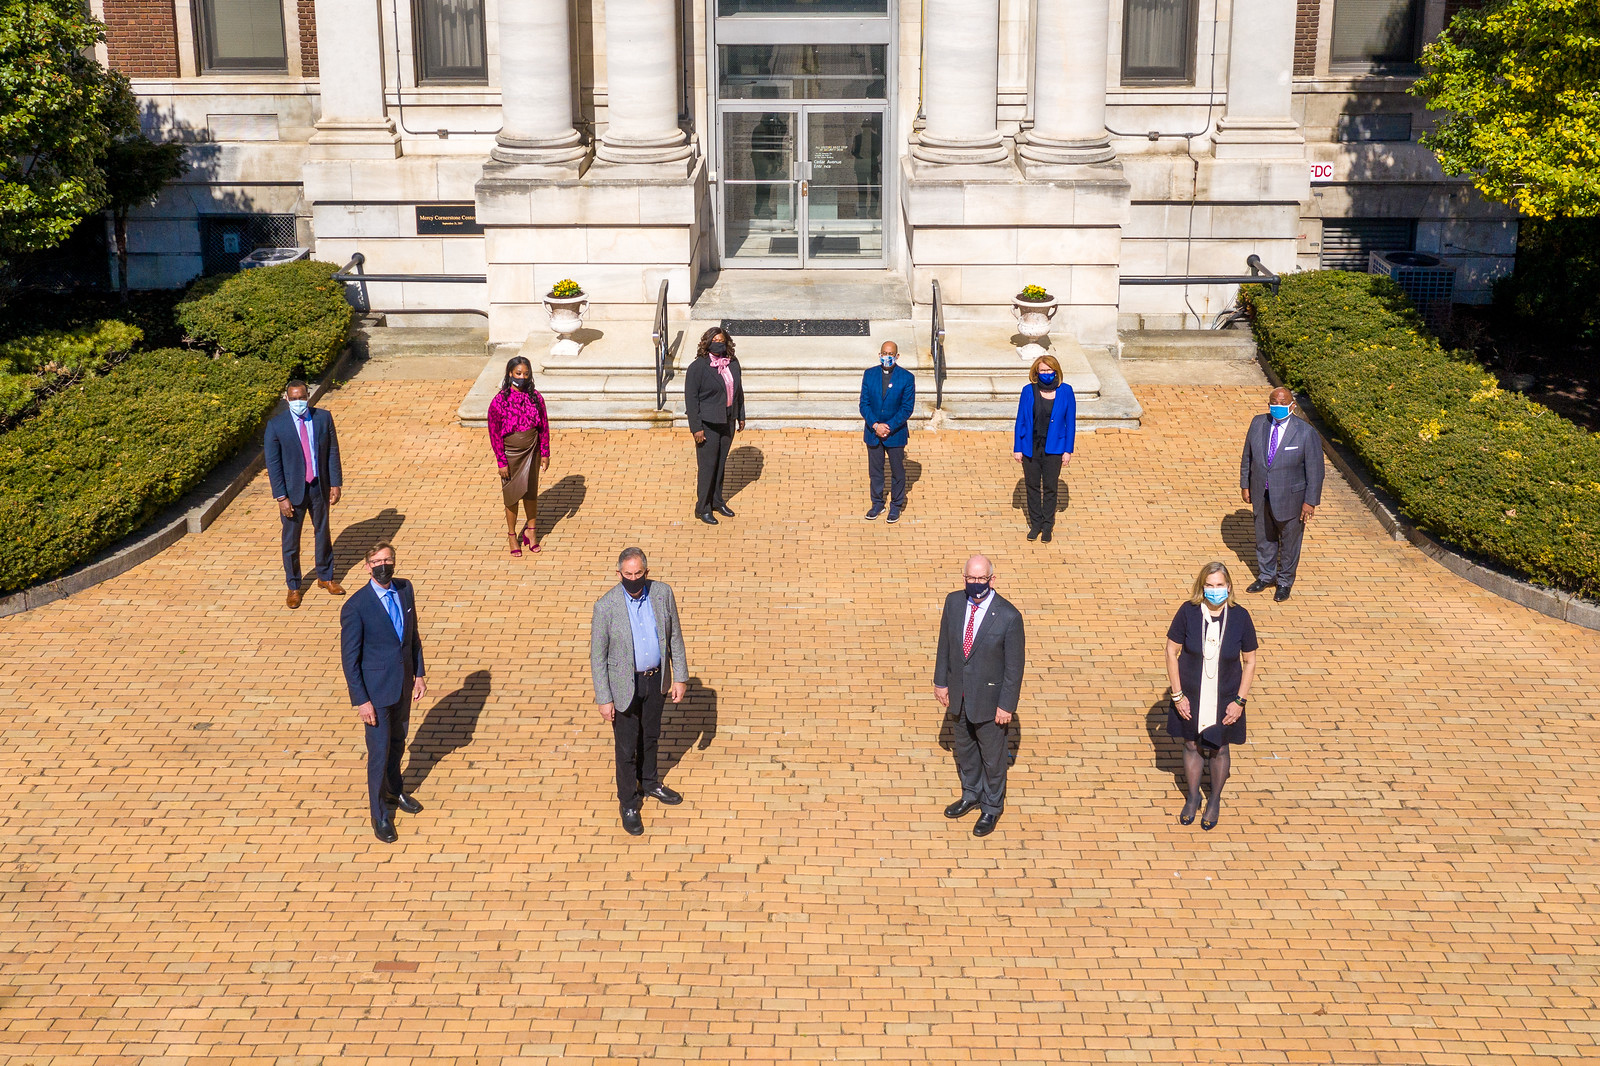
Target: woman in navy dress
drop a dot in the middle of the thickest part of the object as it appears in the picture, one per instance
(1211, 661)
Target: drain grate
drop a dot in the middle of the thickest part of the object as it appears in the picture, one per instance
(798, 327)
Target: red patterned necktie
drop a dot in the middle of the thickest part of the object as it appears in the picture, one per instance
(966, 642)
(305, 447)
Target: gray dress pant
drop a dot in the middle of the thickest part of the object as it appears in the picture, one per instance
(1277, 545)
(981, 761)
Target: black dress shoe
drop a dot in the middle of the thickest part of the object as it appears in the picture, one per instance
(1282, 593)
(632, 822)
(985, 825)
(384, 831)
(1044, 535)
(665, 795)
(960, 807)
(1033, 534)
(404, 803)
(1258, 585)
(724, 510)
(708, 518)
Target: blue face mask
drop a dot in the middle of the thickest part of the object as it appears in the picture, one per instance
(886, 361)
(300, 408)
(1279, 411)
(1047, 380)
(1216, 597)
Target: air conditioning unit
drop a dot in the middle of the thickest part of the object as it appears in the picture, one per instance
(266, 257)
(1424, 278)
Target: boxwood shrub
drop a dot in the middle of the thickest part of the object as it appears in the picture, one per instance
(295, 315)
(1481, 468)
(32, 361)
(105, 455)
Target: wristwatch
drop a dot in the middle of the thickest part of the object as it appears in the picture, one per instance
(1241, 701)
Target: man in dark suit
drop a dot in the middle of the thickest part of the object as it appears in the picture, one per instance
(888, 396)
(382, 654)
(303, 468)
(1280, 476)
(977, 677)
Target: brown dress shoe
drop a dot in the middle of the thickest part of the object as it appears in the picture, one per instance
(333, 587)
(293, 598)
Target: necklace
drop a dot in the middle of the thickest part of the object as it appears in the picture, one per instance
(1213, 641)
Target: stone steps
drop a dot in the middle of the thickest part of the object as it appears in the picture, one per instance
(1218, 345)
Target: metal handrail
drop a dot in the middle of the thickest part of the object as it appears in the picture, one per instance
(658, 336)
(352, 273)
(936, 347)
(1258, 271)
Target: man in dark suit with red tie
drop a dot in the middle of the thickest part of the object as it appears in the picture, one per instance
(382, 654)
(302, 452)
(977, 676)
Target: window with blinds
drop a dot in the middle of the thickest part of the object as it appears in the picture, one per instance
(1158, 42)
(1346, 242)
(1376, 34)
(449, 41)
(241, 35)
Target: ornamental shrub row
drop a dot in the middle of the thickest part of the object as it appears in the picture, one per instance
(105, 455)
(1481, 468)
(294, 315)
(30, 362)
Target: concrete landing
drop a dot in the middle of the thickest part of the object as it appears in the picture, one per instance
(1191, 357)
(871, 294)
(419, 353)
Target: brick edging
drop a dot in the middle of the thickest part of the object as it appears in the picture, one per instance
(1563, 605)
(193, 514)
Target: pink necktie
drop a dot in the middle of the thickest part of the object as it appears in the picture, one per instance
(305, 447)
(966, 642)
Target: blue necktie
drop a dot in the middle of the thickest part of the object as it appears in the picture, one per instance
(392, 602)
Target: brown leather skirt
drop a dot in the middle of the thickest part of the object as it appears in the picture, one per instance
(522, 463)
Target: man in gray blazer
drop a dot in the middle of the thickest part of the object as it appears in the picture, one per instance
(977, 676)
(1280, 476)
(635, 650)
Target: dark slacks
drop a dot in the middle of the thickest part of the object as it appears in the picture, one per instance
(638, 734)
(712, 458)
(1277, 545)
(981, 761)
(1042, 475)
(386, 744)
(316, 502)
(897, 474)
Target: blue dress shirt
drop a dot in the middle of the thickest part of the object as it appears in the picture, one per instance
(642, 620)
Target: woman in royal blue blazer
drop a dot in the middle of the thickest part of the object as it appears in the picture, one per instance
(1047, 425)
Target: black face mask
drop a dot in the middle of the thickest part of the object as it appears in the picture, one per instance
(976, 590)
(716, 348)
(383, 573)
(522, 384)
(634, 585)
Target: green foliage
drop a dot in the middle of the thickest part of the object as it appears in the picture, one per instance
(294, 315)
(1557, 278)
(60, 112)
(1521, 82)
(106, 455)
(136, 170)
(565, 289)
(1481, 468)
(30, 362)
(151, 311)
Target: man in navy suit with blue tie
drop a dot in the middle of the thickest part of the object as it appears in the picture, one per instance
(383, 668)
(302, 452)
(888, 396)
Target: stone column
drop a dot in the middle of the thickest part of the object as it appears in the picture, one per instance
(1070, 44)
(536, 87)
(642, 88)
(961, 83)
(1258, 120)
(353, 124)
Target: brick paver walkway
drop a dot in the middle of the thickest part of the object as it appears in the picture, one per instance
(1406, 869)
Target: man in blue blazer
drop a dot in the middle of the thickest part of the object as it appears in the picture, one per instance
(382, 654)
(888, 396)
(303, 467)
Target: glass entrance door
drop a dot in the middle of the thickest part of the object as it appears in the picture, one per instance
(803, 185)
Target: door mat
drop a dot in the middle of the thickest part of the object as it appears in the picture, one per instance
(798, 327)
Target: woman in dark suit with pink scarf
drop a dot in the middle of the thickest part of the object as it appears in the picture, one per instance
(713, 395)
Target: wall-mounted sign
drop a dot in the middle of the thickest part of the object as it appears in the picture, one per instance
(1321, 172)
(448, 220)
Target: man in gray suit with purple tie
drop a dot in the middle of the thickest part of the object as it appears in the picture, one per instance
(1280, 476)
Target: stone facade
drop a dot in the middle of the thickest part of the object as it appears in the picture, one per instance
(1016, 152)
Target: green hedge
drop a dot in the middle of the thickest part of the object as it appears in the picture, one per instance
(104, 456)
(32, 361)
(1481, 468)
(295, 315)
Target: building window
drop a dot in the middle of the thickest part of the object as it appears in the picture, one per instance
(1376, 34)
(226, 239)
(1347, 242)
(1158, 42)
(241, 35)
(450, 40)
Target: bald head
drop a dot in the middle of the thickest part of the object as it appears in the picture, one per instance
(979, 568)
(889, 348)
(1281, 395)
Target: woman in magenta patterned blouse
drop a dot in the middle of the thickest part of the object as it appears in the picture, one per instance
(519, 426)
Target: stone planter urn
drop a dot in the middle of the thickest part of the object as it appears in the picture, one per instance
(566, 318)
(1033, 322)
